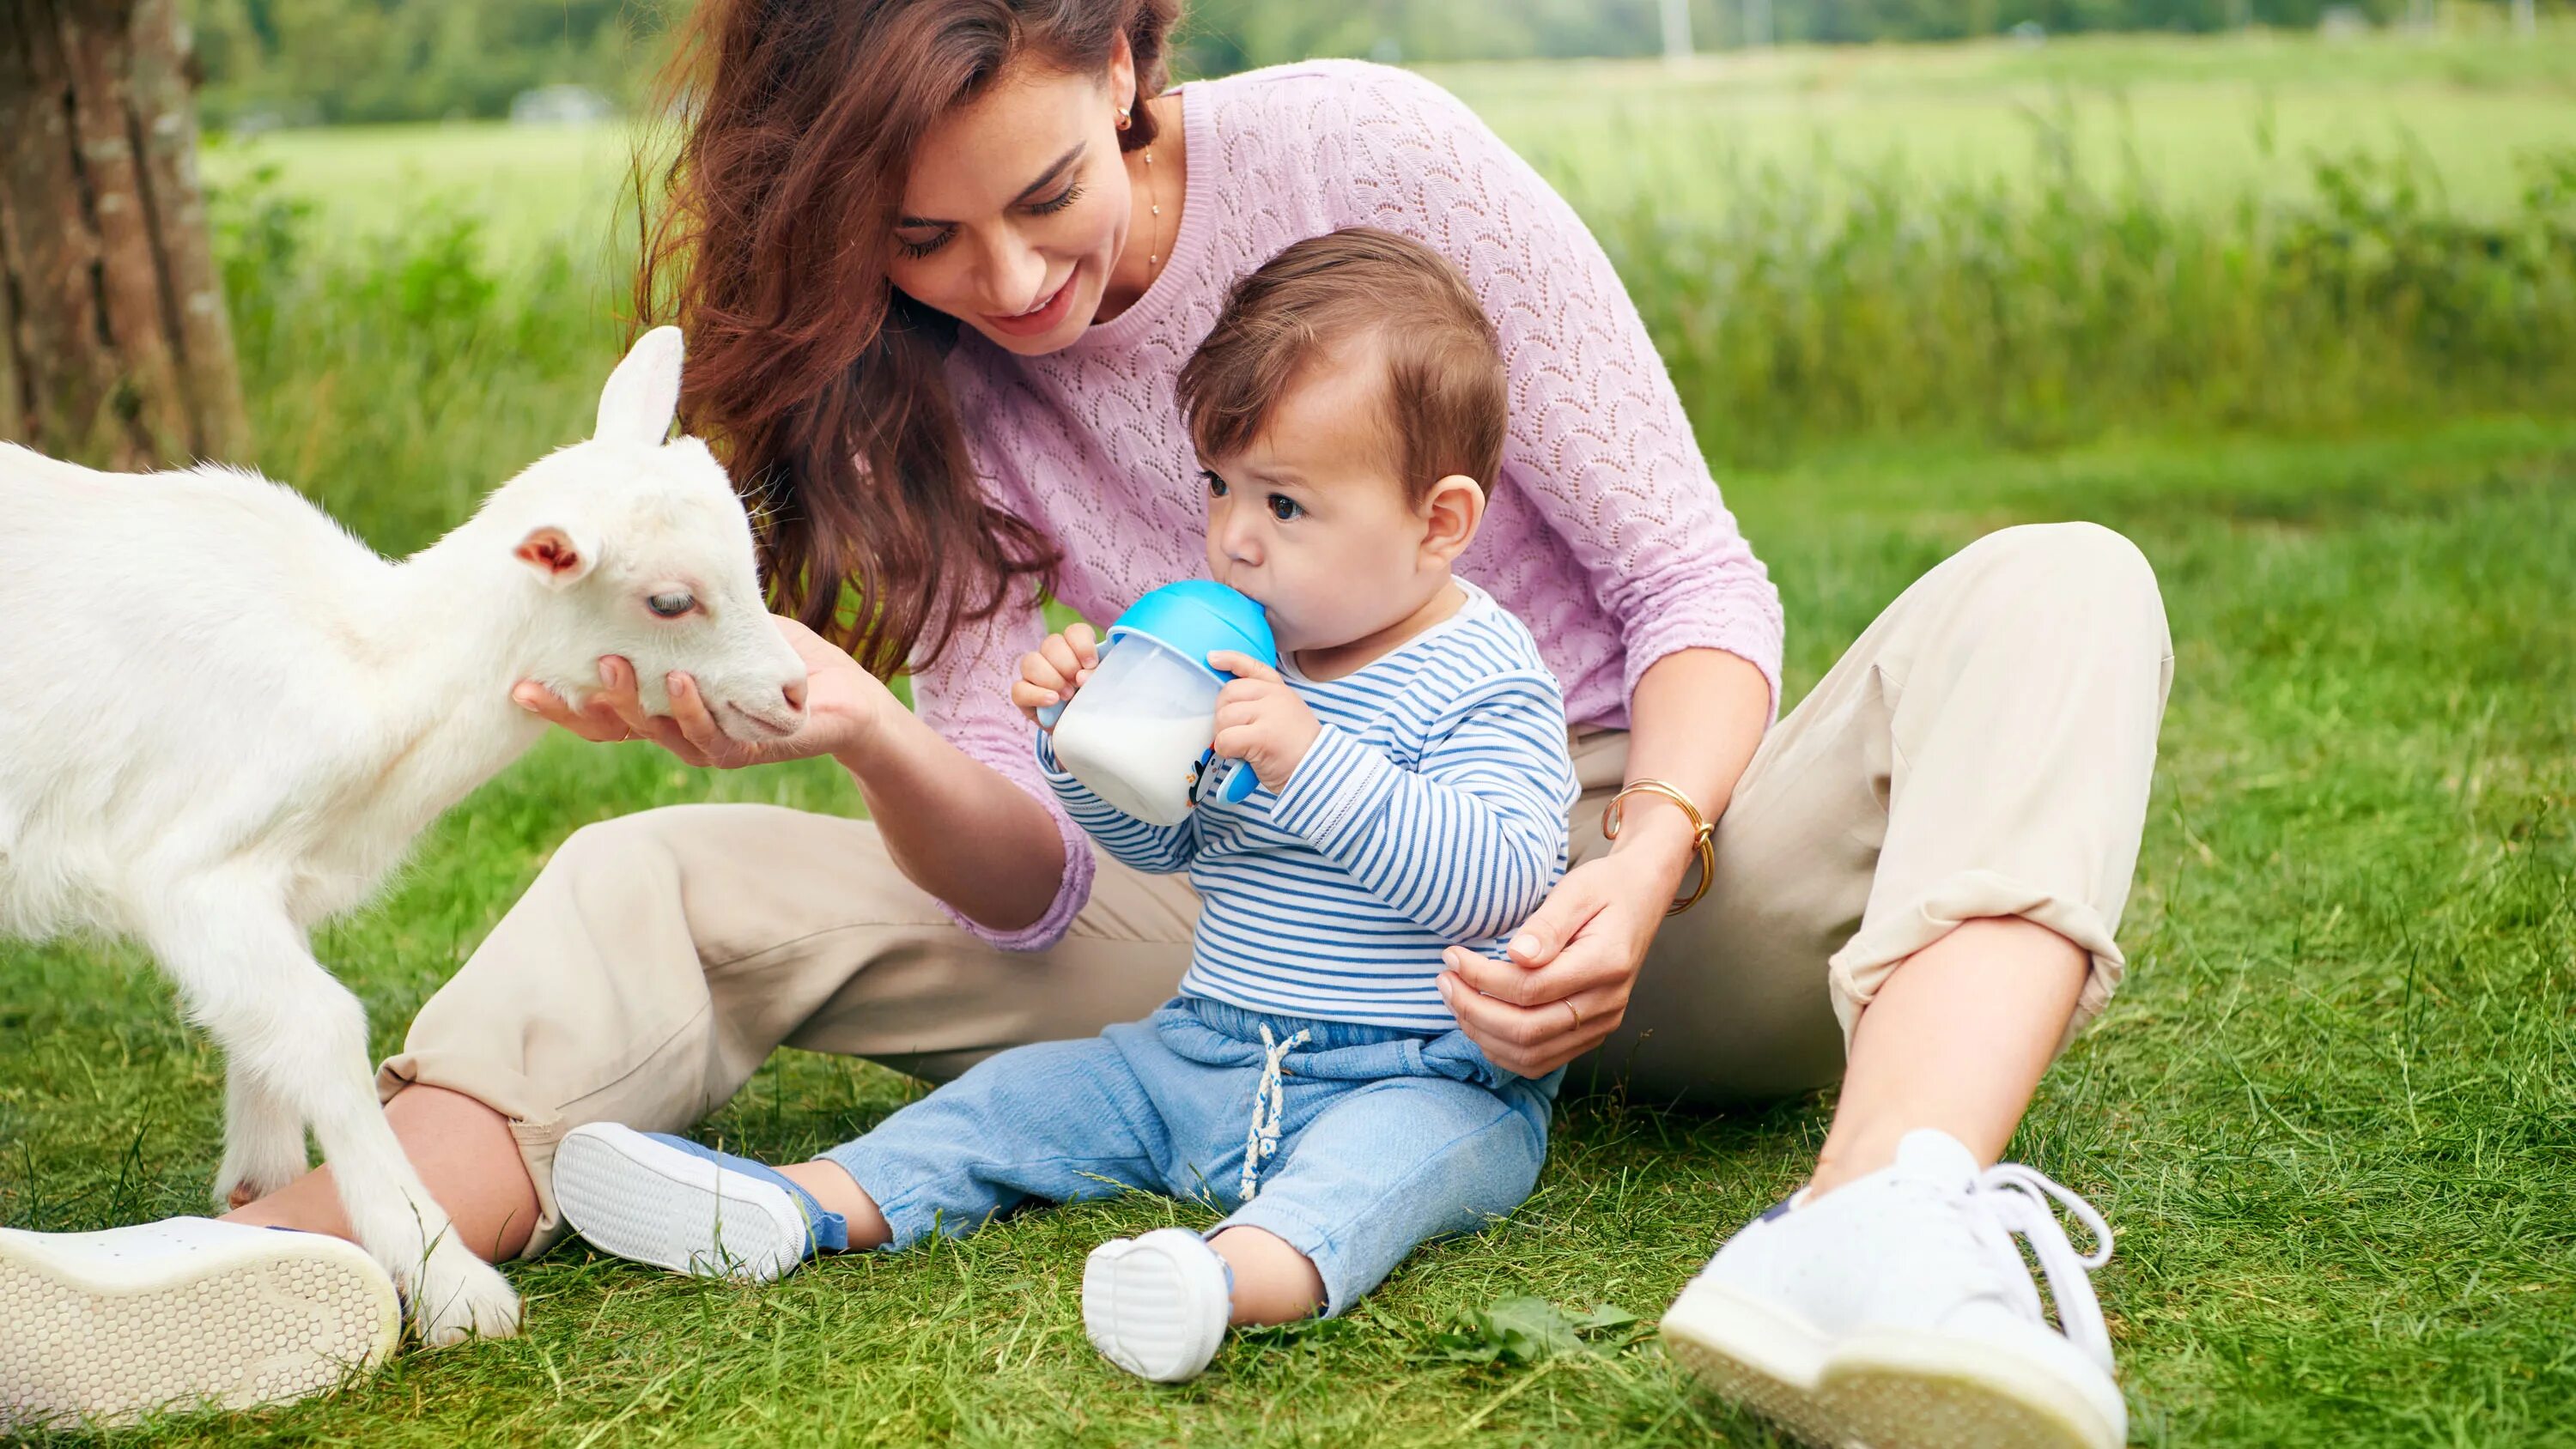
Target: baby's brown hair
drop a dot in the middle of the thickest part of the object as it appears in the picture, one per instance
(1444, 401)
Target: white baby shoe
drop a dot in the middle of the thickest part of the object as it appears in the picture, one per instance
(1896, 1312)
(652, 1197)
(111, 1325)
(1157, 1306)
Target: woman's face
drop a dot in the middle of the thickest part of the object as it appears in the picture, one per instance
(1018, 206)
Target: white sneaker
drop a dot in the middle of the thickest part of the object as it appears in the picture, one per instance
(1897, 1313)
(1157, 1306)
(677, 1204)
(185, 1311)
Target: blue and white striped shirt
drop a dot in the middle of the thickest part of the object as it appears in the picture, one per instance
(1429, 812)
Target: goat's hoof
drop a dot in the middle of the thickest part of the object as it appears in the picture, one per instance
(249, 1175)
(239, 1191)
(452, 1302)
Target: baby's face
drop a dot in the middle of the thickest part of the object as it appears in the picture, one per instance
(1311, 519)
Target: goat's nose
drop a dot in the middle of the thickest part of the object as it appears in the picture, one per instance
(795, 696)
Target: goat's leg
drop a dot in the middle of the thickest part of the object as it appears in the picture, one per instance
(249, 978)
(263, 1140)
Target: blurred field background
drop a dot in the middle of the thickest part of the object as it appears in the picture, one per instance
(2296, 311)
(1990, 242)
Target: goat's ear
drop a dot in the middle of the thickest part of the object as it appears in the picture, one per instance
(555, 557)
(643, 394)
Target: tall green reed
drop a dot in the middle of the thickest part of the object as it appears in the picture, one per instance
(398, 377)
(1838, 304)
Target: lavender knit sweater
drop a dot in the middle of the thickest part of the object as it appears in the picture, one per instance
(1606, 535)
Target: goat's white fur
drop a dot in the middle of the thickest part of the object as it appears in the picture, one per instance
(223, 719)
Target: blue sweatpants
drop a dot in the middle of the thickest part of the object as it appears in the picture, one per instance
(1386, 1138)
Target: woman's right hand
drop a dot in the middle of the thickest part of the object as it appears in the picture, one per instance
(1060, 666)
(843, 703)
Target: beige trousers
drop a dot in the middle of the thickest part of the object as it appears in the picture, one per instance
(1983, 750)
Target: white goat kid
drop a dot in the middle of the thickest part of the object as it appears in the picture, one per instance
(225, 720)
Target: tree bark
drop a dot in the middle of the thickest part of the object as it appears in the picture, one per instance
(13, 388)
(114, 347)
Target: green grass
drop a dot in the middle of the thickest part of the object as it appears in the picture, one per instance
(533, 185)
(2330, 1116)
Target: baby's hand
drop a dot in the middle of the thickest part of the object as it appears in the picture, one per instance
(1260, 720)
(1059, 667)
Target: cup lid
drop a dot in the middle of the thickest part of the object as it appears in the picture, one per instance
(1197, 617)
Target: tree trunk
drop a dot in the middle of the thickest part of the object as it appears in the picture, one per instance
(114, 347)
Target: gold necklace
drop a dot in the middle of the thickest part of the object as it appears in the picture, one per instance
(1153, 207)
(1153, 201)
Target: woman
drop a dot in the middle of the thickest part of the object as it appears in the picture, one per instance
(939, 261)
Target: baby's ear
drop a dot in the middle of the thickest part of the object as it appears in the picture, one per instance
(1451, 513)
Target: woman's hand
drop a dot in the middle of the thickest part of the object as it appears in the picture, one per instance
(1583, 946)
(842, 705)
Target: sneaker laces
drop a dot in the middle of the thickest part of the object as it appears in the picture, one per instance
(1269, 1103)
(2014, 1201)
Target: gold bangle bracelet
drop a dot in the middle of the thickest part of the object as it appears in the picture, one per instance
(1702, 831)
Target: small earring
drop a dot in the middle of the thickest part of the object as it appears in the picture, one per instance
(1124, 120)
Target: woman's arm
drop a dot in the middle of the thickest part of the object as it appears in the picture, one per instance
(957, 827)
(1695, 721)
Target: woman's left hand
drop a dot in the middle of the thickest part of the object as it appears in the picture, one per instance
(1572, 966)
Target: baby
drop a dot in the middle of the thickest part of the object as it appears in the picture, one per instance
(1309, 1080)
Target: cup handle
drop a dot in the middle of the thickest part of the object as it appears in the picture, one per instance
(1048, 714)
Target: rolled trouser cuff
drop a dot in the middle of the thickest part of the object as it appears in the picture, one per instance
(536, 1132)
(1887, 938)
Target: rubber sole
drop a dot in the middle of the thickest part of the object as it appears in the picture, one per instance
(268, 1319)
(652, 1203)
(1885, 1390)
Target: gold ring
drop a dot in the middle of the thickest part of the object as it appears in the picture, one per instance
(1568, 1003)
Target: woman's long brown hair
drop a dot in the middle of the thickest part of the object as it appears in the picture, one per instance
(820, 385)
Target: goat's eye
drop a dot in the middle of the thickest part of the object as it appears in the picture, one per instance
(670, 606)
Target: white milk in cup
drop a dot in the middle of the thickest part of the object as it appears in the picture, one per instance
(1138, 733)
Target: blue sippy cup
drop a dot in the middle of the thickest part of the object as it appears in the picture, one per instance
(1137, 735)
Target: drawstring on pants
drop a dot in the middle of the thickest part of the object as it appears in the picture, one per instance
(1268, 1096)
